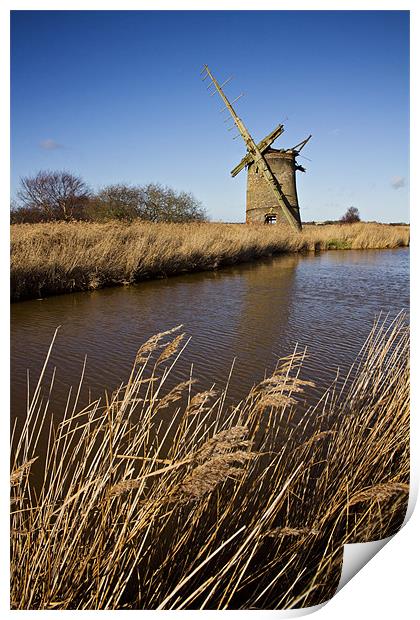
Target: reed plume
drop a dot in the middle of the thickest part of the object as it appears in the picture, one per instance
(131, 503)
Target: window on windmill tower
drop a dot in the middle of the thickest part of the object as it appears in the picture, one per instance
(270, 219)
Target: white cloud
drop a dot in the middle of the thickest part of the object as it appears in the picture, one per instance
(50, 145)
(398, 182)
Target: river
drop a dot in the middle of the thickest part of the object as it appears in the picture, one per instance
(254, 313)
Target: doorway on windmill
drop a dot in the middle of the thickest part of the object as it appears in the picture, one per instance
(270, 219)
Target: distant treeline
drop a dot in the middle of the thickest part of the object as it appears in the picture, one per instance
(61, 196)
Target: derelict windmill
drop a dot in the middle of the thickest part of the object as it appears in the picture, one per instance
(271, 185)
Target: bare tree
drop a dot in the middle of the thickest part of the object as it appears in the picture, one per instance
(163, 204)
(116, 202)
(56, 195)
(351, 216)
(63, 196)
(152, 202)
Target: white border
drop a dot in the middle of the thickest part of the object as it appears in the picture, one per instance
(386, 587)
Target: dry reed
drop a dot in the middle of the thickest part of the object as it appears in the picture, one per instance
(227, 508)
(64, 257)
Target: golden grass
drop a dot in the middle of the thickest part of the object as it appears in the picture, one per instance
(210, 507)
(64, 257)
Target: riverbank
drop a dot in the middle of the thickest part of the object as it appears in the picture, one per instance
(60, 257)
(212, 506)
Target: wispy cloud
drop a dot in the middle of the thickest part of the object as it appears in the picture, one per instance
(50, 145)
(334, 132)
(398, 182)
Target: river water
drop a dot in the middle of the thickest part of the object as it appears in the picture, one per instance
(255, 313)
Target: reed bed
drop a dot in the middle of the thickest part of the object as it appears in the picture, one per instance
(159, 498)
(63, 257)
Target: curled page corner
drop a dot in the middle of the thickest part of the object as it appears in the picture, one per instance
(357, 555)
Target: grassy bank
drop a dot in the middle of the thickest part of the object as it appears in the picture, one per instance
(210, 507)
(64, 257)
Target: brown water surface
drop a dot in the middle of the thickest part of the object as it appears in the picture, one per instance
(254, 313)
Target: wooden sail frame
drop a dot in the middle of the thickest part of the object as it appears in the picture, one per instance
(255, 154)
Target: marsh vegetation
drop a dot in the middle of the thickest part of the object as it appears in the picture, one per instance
(63, 257)
(215, 506)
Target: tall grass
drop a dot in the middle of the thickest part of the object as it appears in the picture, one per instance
(168, 499)
(64, 257)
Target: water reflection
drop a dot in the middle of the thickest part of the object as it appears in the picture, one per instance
(268, 297)
(252, 312)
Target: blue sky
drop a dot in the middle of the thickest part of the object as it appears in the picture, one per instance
(116, 96)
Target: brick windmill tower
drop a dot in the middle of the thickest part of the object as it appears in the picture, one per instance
(271, 196)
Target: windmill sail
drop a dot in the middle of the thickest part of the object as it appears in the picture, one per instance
(260, 162)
